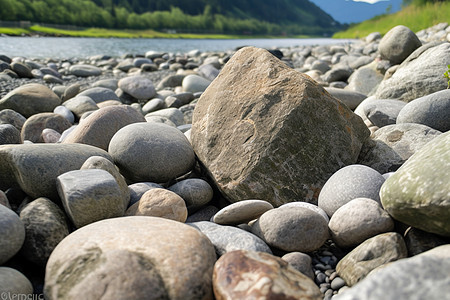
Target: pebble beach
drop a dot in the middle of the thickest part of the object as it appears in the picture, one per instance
(309, 172)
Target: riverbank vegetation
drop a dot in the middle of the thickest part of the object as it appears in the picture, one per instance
(416, 14)
(251, 17)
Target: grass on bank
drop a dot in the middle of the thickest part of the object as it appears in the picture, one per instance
(416, 17)
(13, 31)
(108, 33)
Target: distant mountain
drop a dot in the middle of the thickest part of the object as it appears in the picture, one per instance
(349, 11)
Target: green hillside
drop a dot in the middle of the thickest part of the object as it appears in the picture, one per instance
(417, 15)
(280, 17)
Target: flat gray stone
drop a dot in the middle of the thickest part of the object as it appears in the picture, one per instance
(241, 212)
(65, 112)
(85, 70)
(228, 238)
(153, 105)
(21, 69)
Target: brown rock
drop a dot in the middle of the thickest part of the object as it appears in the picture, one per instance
(98, 129)
(372, 253)
(260, 126)
(30, 99)
(132, 258)
(33, 127)
(244, 274)
(160, 203)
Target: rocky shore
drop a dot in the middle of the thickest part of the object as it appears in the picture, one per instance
(313, 172)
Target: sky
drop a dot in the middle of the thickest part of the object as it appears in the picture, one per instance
(354, 11)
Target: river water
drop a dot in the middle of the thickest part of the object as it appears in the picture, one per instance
(62, 47)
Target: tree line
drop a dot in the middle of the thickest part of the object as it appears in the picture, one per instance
(123, 14)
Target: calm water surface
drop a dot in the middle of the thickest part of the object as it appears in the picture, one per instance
(61, 47)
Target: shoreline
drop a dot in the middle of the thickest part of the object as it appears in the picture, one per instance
(37, 31)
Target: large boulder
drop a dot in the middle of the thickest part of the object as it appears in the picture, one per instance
(132, 258)
(35, 167)
(418, 194)
(30, 99)
(419, 75)
(99, 128)
(261, 126)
